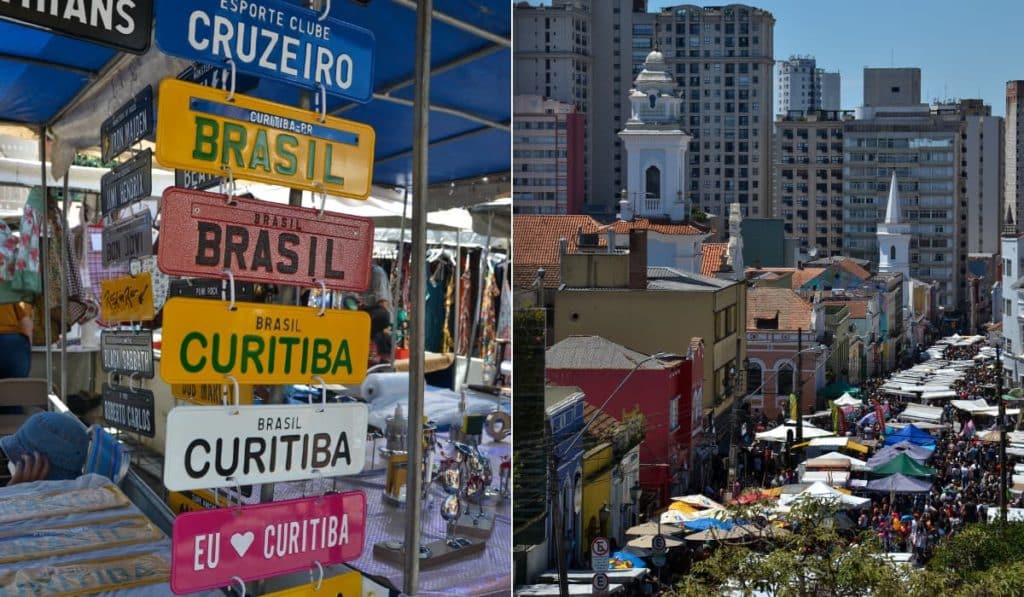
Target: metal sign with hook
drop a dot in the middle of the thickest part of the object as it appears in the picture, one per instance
(127, 352)
(206, 130)
(218, 548)
(128, 298)
(131, 123)
(130, 409)
(129, 239)
(128, 182)
(292, 43)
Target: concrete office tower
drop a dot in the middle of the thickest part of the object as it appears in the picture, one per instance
(981, 170)
(722, 59)
(803, 86)
(552, 59)
(655, 147)
(547, 156)
(828, 90)
(1013, 154)
(892, 87)
(924, 147)
(808, 179)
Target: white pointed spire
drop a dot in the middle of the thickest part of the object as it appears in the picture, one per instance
(892, 209)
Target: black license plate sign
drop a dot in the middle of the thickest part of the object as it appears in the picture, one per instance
(129, 409)
(130, 181)
(127, 240)
(126, 352)
(133, 122)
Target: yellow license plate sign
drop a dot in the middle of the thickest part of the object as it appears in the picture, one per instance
(211, 393)
(346, 584)
(129, 298)
(198, 129)
(195, 501)
(262, 344)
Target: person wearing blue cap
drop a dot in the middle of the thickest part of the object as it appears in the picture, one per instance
(49, 445)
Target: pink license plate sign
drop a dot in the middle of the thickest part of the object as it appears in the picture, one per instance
(263, 242)
(212, 546)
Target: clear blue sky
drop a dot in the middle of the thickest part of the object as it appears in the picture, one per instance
(963, 50)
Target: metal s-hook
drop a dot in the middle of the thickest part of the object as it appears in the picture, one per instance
(238, 494)
(319, 580)
(326, 12)
(134, 375)
(241, 584)
(323, 103)
(323, 393)
(110, 378)
(231, 90)
(231, 293)
(237, 392)
(229, 185)
(322, 190)
(323, 303)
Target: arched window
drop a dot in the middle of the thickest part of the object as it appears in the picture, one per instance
(892, 253)
(653, 99)
(784, 380)
(653, 177)
(754, 376)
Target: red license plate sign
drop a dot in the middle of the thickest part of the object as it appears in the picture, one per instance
(211, 547)
(263, 242)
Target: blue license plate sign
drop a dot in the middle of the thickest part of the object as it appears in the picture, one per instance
(274, 39)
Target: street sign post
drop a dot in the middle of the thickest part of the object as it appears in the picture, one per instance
(272, 39)
(600, 553)
(262, 344)
(211, 547)
(199, 129)
(600, 583)
(268, 443)
(264, 242)
(658, 544)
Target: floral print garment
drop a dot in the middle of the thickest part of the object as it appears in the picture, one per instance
(19, 254)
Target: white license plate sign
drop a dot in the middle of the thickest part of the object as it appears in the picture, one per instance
(224, 446)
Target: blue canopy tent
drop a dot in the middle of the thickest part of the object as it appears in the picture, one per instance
(440, 109)
(911, 434)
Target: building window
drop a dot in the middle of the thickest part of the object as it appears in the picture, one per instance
(784, 380)
(892, 253)
(673, 414)
(653, 178)
(754, 376)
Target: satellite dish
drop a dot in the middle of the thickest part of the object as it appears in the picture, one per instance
(813, 251)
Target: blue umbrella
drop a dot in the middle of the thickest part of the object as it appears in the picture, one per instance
(703, 524)
(625, 556)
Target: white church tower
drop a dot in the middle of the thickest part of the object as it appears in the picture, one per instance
(655, 147)
(894, 240)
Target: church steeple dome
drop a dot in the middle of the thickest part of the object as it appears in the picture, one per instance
(892, 208)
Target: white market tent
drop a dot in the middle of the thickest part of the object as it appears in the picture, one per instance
(855, 463)
(779, 434)
(847, 400)
(971, 406)
(820, 491)
(920, 412)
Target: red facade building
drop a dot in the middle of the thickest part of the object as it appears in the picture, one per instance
(669, 393)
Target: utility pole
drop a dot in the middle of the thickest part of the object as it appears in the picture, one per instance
(799, 384)
(556, 512)
(1002, 436)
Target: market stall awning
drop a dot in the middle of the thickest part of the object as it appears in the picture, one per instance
(899, 483)
(920, 412)
(905, 465)
(780, 433)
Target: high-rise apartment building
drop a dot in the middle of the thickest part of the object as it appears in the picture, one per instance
(547, 156)
(722, 61)
(1013, 153)
(808, 193)
(803, 86)
(924, 147)
(552, 59)
(828, 90)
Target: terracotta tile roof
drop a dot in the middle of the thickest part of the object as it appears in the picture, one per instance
(535, 244)
(854, 268)
(603, 426)
(858, 308)
(595, 352)
(535, 241)
(682, 229)
(803, 276)
(711, 259)
(792, 311)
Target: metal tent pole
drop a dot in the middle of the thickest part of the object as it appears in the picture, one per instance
(458, 292)
(44, 256)
(64, 297)
(396, 301)
(417, 327)
(479, 300)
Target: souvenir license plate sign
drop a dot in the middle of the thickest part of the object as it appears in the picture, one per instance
(219, 447)
(198, 129)
(346, 583)
(123, 24)
(194, 501)
(262, 344)
(129, 298)
(264, 242)
(211, 289)
(132, 123)
(126, 352)
(209, 548)
(130, 181)
(211, 393)
(273, 39)
(128, 240)
(218, 77)
(129, 410)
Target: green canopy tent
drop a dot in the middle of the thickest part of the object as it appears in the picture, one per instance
(904, 465)
(837, 389)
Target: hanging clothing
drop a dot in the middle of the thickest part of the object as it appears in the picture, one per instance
(19, 254)
(488, 317)
(504, 331)
(466, 306)
(434, 309)
(447, 341)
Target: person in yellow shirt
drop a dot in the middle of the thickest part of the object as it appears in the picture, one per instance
(15, 340)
